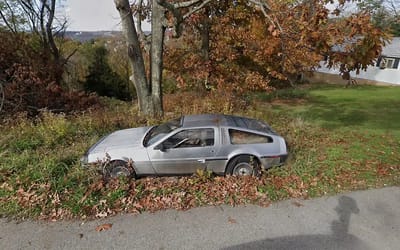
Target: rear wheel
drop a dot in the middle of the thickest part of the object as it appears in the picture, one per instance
(244, 165)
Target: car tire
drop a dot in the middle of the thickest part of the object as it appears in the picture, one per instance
(244, 165)
(118, 168)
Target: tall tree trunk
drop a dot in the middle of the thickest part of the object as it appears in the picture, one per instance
(148, 92)
(49, 31)
(51, 44)
(204, 30)
(205, 35)
(156, 55)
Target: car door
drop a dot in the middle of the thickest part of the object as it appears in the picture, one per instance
(184, 152)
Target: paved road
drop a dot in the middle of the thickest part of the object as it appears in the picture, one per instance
(359, 220)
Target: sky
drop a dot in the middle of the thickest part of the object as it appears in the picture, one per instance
(91, 15)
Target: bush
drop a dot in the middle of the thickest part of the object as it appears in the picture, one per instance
(30, 79)
(101, 79)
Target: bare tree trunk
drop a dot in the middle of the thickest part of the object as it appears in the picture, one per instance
(49, 30)
(157, 43)
(148, 92)
(205, 36)
(144, 89)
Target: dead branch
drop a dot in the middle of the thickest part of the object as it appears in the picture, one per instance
(2, 96)
(175, 10)
(11, 26)
(195, 9)
(146, 40)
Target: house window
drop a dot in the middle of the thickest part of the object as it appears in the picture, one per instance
(389, 63)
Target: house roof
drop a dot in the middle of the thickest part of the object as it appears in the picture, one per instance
(393, 48)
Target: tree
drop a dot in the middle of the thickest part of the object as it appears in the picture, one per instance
(188, 59)
(163, 15)
(245, 44)
(38, 17)
(31, 64)
(27, 85)
(119, 63)
(101, 78)
(12, 16)
(254, 44)
(384, 13)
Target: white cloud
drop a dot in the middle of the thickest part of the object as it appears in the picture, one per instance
(92, 15)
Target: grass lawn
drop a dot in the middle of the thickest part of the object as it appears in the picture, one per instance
(340, 139)
(351, 136)
(370, 108)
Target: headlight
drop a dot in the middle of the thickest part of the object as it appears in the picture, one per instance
(84, 160)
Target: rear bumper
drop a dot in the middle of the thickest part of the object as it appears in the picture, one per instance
(273, 161)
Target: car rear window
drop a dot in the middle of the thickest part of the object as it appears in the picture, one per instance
(248, 123)
(242, 137)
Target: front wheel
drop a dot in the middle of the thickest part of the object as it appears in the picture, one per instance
(244, 165)
(118, 168)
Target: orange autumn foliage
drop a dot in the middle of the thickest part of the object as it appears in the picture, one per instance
(251, 50)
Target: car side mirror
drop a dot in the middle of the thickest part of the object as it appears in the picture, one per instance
(161, 147)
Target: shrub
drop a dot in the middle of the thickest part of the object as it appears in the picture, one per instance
(30, 79)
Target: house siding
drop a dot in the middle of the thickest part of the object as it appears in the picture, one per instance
(374, 73)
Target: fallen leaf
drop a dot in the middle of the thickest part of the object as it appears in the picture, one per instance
(103, 227)
(297, 204)
(231, 220)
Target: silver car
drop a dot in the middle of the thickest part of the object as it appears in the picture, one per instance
(223, 144)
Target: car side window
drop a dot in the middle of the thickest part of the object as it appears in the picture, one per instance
(242, 137)
(191, 138)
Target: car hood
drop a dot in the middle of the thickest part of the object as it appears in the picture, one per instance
(126, 138)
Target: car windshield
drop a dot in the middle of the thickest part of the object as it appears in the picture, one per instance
(157, 132)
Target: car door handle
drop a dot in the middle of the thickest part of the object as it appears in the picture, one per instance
(202, 160)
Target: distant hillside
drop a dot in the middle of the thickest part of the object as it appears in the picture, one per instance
(84, 36)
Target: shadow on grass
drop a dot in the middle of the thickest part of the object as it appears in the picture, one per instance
(339, 239)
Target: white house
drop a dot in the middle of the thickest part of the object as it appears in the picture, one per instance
(385, 71)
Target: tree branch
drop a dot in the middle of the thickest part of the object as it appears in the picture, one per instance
(186, 4)
(178, 17)
(262, 4)
(394, 5)
(13, 16)
(2, 96)
(31, 13)
(138, 16)
(170, 6)
(69, 56)
(6, 22)
(49, 29)
(142, 36)
(195, 9)
(265, 9)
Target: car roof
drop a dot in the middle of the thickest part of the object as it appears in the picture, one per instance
(220, 120)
